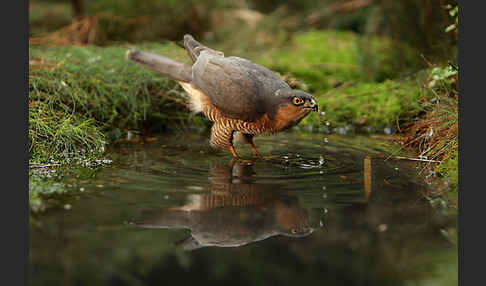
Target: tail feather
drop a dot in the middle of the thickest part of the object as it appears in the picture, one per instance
(194, 48)
(163, 65)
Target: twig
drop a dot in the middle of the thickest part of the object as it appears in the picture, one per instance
(425, 59)
(350, 6)
(398, 126)
(162, 94)
(417, 159)
(37, 165)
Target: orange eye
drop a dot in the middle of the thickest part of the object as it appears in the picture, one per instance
(297, 100)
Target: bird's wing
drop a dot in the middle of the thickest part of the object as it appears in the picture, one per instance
(236, 86)
(194, 48)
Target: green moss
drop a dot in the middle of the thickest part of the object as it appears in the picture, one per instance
(449, 170)
(381, 58)
(368, 104)
(325, 59)
(321, 59)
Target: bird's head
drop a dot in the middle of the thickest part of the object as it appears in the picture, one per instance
(290, 107)
(291, 218)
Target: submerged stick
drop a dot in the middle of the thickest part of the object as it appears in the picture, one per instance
(367, 176)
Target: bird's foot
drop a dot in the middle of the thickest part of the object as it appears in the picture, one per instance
(248, 162)
(237, 158)
(241, 161)
(270, 157)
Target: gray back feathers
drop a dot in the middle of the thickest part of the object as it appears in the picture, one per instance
(238, 87)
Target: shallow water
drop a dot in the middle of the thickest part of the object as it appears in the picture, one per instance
(316, 209)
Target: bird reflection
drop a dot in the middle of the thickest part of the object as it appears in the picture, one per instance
(236, 211)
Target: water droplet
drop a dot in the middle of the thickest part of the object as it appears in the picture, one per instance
(129, 135)
(382, 227)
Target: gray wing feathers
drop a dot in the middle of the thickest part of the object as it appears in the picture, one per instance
(163, 65)
(236, 86)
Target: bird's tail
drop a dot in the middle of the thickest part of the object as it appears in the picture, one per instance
(167, 220)
(163, 65)
(194, 48)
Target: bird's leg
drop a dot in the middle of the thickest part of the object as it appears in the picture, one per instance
(249, 139)
(232, 149)
(254, 149)
(222, 137)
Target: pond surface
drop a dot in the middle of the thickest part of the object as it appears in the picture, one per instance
(315, 210)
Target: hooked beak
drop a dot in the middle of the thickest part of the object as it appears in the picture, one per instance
(313, 105)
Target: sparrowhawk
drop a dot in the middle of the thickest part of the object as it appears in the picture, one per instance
(236, 94)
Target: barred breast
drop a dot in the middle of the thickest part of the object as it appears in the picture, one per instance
(262, 125)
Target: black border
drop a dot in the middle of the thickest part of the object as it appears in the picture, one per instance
(471, 119)
(15, 202)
